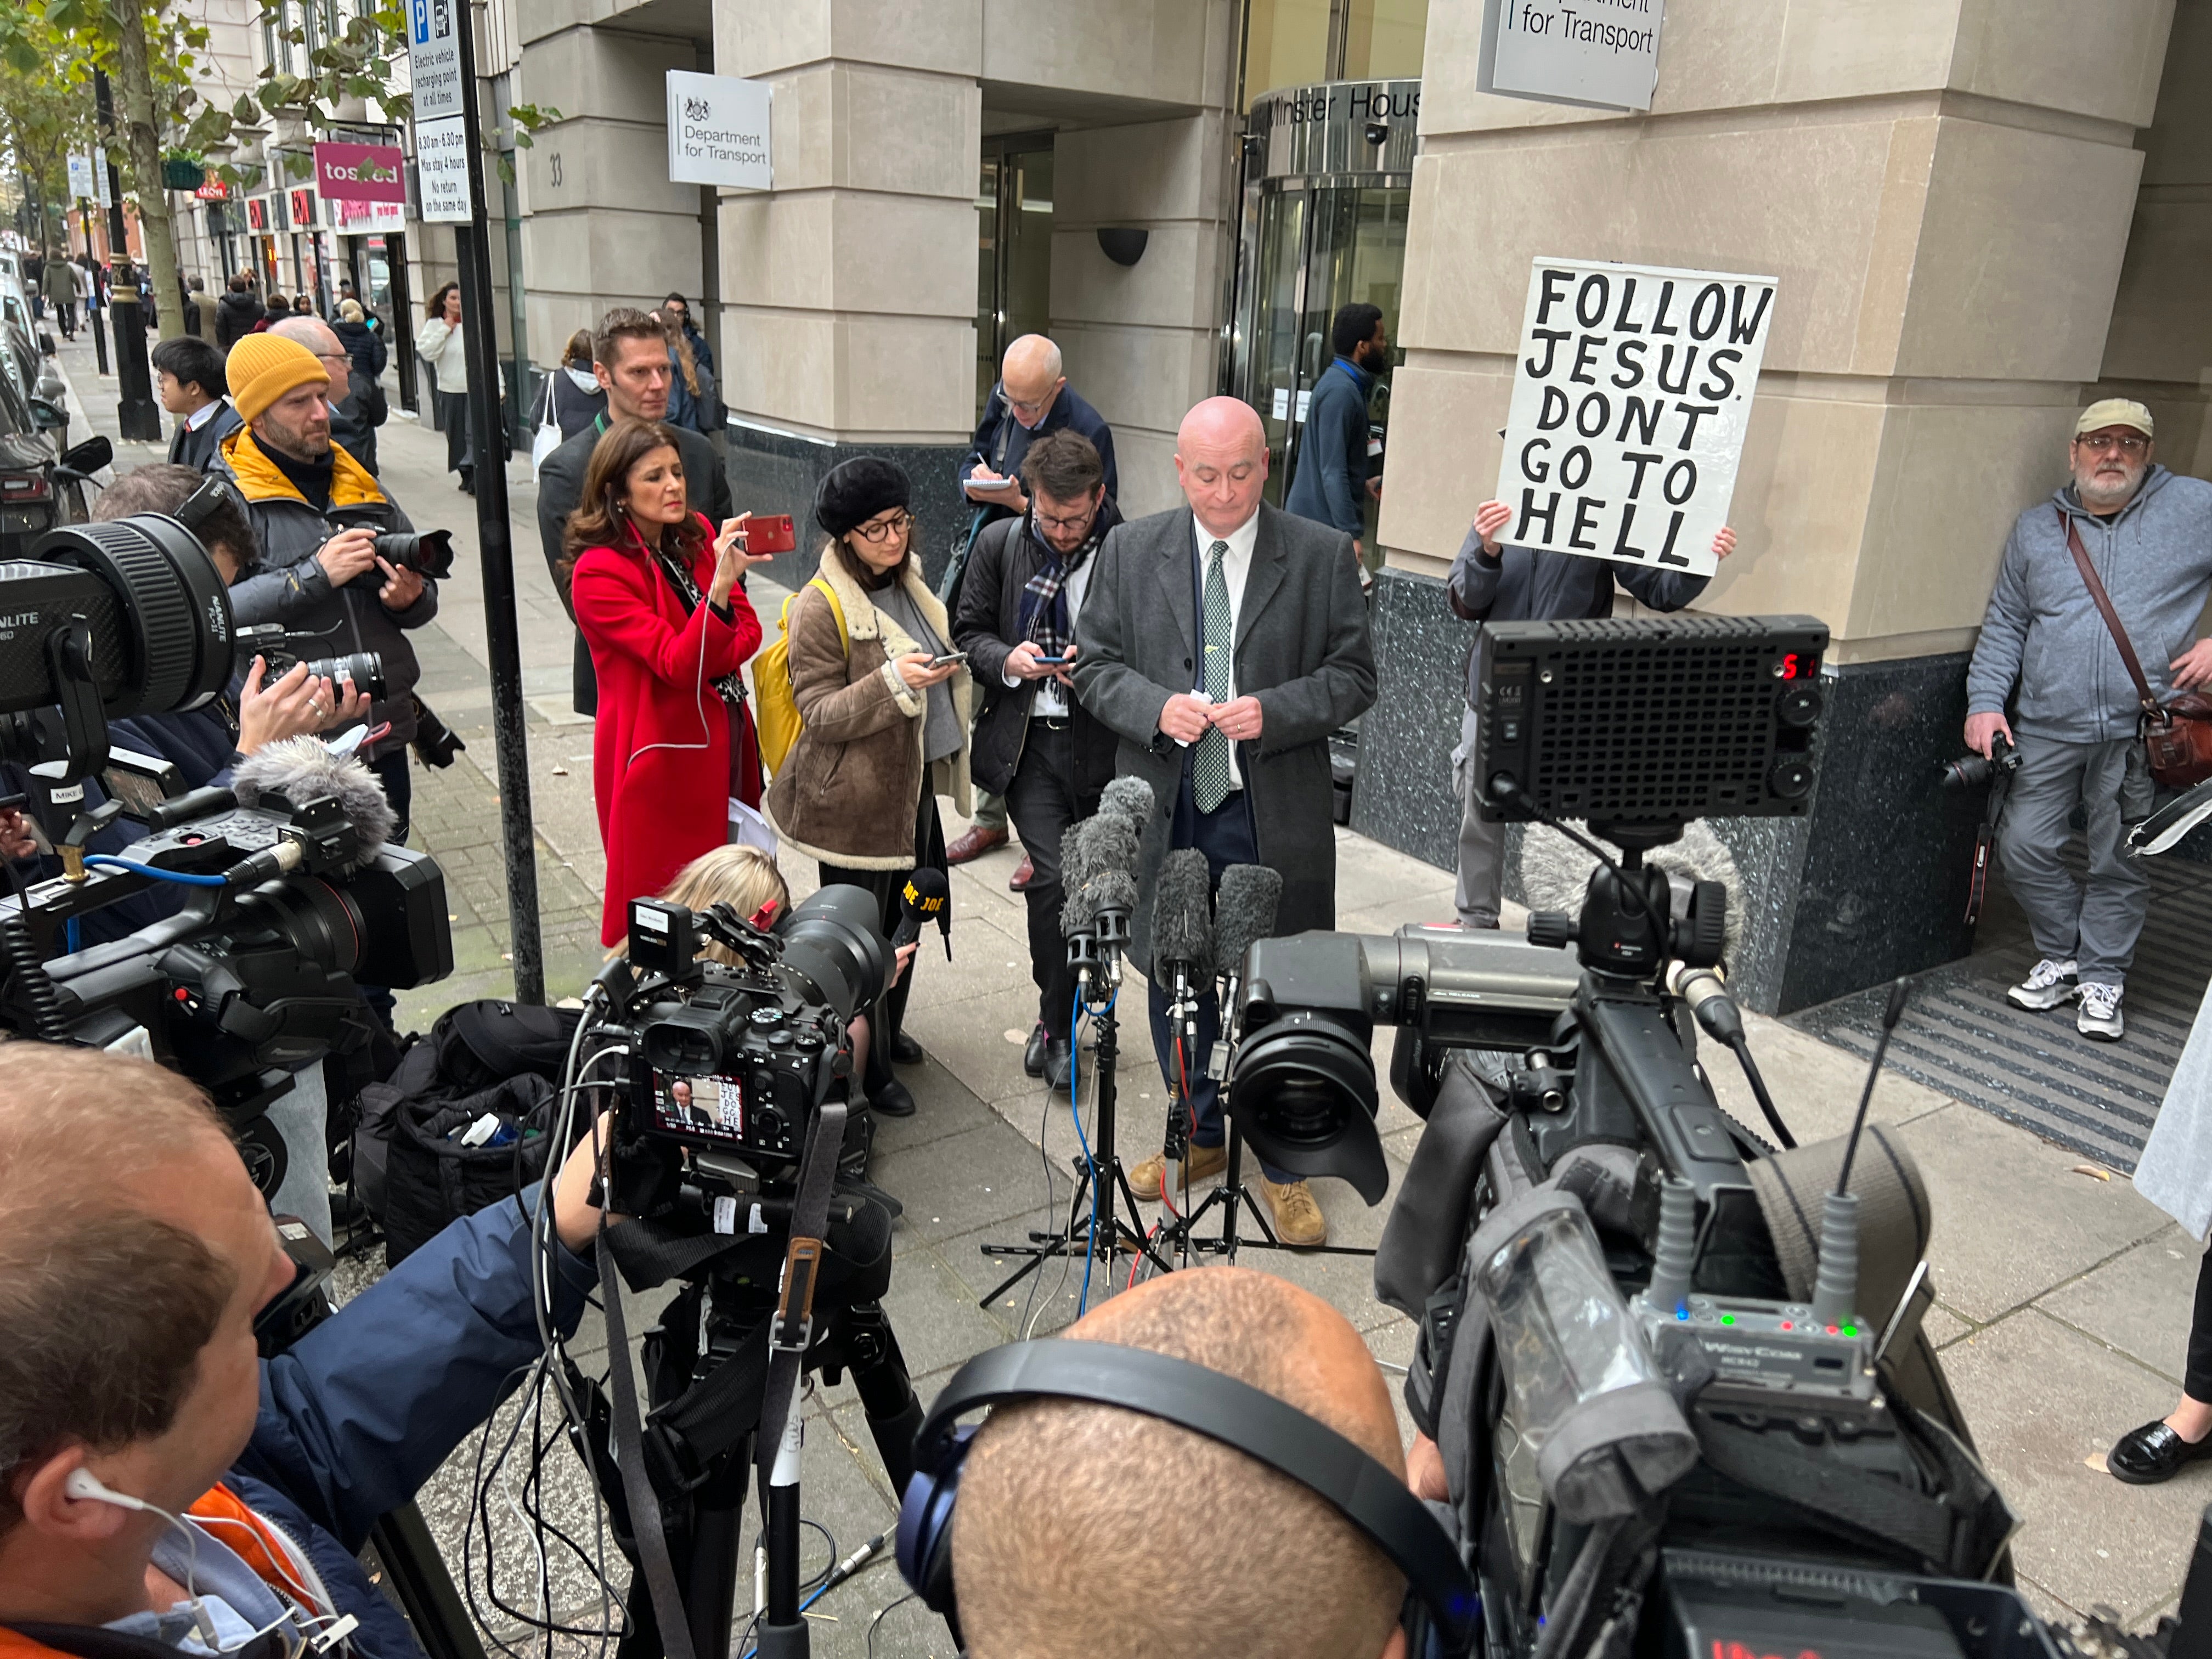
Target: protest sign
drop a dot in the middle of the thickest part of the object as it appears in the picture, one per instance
(1631, 396)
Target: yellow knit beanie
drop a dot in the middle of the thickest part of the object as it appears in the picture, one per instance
(263, 368)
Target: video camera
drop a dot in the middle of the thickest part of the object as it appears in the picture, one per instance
(1676, 1416)
(292, 899)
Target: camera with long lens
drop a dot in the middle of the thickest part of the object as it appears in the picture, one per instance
(427, 553)
(1972, 771)
(281, 649)
(292, 899)
(1681, 1388)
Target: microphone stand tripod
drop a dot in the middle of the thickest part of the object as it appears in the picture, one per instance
(1107, 1235)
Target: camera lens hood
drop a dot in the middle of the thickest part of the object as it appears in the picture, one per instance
(173, 611)
(1303, 1090)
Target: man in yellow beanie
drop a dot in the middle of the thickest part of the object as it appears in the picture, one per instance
(317, 512)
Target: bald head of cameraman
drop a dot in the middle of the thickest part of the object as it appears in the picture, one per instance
(1085, 1532)
(135, 1255)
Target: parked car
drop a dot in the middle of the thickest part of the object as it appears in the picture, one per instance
(41, 484)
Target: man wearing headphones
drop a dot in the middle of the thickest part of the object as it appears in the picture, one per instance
(161, 1485)
(1099, 1530)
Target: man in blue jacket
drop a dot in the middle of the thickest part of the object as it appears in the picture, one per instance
(161, 1488)
(1490, 583)
(2147, 533)
(1331, 485)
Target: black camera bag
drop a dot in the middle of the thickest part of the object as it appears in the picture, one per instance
(487, 1055)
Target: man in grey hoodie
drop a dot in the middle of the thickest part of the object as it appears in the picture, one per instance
(2043, 645)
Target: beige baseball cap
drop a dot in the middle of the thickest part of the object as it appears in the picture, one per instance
(2114, 411)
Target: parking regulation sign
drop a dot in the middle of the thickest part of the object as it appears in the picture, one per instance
(441, 167)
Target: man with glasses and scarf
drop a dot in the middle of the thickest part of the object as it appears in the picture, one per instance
(1031, 401)
(1034, 744)
(2044, 646)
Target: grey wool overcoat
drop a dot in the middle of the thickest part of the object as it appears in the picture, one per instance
(1301, 648)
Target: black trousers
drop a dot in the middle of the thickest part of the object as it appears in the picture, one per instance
(453, 409)
(1043, 800)
(2197, 1373)
(889, 1013)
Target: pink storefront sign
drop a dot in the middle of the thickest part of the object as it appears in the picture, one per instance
(360, 173)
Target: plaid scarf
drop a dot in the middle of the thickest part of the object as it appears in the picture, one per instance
(730, 687)
(1043, 616)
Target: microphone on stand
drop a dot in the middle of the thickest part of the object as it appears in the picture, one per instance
(1182, 966)
(1243, 912)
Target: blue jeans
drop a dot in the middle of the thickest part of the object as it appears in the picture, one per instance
(1225, 837)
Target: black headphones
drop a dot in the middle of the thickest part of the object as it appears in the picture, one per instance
(1205, 1402)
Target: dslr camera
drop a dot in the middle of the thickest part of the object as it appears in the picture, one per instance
(427, 553)
(1972, 771)
(281, 649)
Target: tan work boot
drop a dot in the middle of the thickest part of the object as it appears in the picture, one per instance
(1298, 1219)
(1147, 1178)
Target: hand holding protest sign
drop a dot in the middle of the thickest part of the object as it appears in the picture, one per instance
(1629, 400)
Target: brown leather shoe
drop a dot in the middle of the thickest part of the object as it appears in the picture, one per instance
(1298, 1215)
(1147, 1178)
(974, 844)
(1024, 872)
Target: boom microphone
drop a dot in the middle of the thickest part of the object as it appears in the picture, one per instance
(302, 770)
(927, 897)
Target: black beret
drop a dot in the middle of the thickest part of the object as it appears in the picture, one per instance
(852, 492)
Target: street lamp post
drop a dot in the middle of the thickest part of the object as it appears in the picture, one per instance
(137, 413)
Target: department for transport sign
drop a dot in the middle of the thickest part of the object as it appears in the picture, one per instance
(1600, 53)
(1630, 397)
(717, 131)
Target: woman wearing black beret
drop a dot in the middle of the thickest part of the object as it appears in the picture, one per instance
(885, 732)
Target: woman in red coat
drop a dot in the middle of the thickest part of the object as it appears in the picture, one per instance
(656, 595)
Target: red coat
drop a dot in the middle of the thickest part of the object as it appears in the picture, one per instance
(660, 807)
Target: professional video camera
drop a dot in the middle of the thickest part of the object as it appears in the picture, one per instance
(292, 899)
(1676, 1415)
(728, 1086)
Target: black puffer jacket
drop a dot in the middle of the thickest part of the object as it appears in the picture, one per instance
(235, 314)
(988, 626)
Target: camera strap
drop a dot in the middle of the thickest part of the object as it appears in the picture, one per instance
(647, 1525)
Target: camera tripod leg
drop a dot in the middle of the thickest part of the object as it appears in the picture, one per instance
(1042, 1247)
(710, 1575)
(426, 1592)
(870, 1352)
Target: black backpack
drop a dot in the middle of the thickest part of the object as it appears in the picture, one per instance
(409, 1170)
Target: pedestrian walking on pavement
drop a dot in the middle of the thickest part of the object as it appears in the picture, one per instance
(1031, 399)
(632, 367)
(64, 287)
(1035, 744)
(1332, 484)
(575, 396)
(885, 732)
(656, 593)
(362, 342)
(2046, 649)
(442, 345)
(236, 312)
(1491, 581)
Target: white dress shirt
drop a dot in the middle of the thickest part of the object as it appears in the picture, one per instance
(1235, 565)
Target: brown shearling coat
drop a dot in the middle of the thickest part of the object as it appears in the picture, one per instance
(847, 793)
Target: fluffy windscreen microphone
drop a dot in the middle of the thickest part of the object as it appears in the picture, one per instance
(1182, 918)
(300, 769)
(1243, 912)
(1114, 889)
(1128, 799)
(1076, 867)
(1112, 844)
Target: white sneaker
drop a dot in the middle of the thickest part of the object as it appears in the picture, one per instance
(2048, 984)
(2099, 1018)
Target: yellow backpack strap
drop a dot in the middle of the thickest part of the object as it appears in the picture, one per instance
(844, 640)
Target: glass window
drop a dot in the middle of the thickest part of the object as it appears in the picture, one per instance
(1383, 38)
(1286, 45)
(1013, 251)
